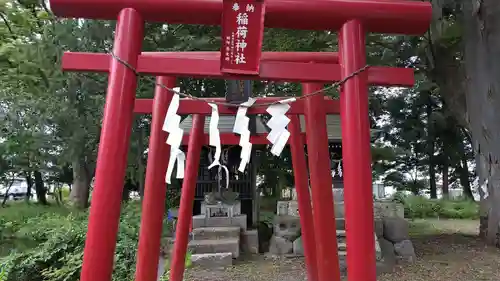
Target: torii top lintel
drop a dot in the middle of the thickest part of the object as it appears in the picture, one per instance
(382, 16)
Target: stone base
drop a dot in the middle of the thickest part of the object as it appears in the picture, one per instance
(212, 260)
(203, 221)
(227, 245)
(231, 209)
(249, 241)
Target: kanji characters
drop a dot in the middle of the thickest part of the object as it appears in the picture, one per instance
(242, 32)
(240, 58)
(242, 19)
(241, 45)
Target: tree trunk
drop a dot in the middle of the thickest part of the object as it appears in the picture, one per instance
(79, 195)
(445, 187)
(431, 147)
(127, 187)
(482, 47)
(7, 190)
(40, 190)
(29, 182)
(463, 171)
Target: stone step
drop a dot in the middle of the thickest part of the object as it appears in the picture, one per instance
(339, 210)
(342, 254)
(213, 260)
(340, 223)
(203, 221)
(342, 247)
(216, 232)
(211, 246)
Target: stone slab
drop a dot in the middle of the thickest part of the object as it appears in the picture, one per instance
(235, 209)
(405, 251)
(199, 221)
(298, 247)
(249, 241)
(396, 229)
(280, 246)
(214, 260)
(293, 208)
(282, 208)
(228, 245)
(383, 209)
(217, 232)
(240, 221)
(338, 195)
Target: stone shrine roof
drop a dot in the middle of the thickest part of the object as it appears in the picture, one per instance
(226, 123)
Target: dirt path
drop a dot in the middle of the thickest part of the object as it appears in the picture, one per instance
(448, 253)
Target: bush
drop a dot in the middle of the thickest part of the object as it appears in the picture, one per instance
(57, 240)
(421, 207)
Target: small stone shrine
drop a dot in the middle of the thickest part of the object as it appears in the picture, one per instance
(220, 231)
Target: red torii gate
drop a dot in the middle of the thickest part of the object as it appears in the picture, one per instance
(352, 17)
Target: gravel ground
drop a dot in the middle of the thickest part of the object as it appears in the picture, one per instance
(444, 255)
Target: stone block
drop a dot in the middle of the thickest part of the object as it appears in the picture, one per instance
(379, 228)
(339, 209)
(405, 252)
(233, 209)
(387, 249)
(228, 245)
(341, 236)
(378, 251)
(340, 223)
(199, 221)
(396, 229)
(250, 241)
(338, 195)
(282, 208)
(213, 260)
(298, 247)
(287, 227)
(217, 232)
(342, 246)
(293, 208)
(240, 221)
(217, 221)
(383, 209)
(280, 246)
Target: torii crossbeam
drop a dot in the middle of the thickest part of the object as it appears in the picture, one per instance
(353, 18)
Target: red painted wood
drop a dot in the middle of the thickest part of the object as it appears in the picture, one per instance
(114, 142)
(201, 67)
(301, 178)
(385, 16)
(356, 155)
(187, 106)
(319, 57)
(153, 203)
(321, 186)
(187, 198)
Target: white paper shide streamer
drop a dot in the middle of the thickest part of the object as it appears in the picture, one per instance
(241, 128)
(214, 141)
(172, 126)
(278, 123)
